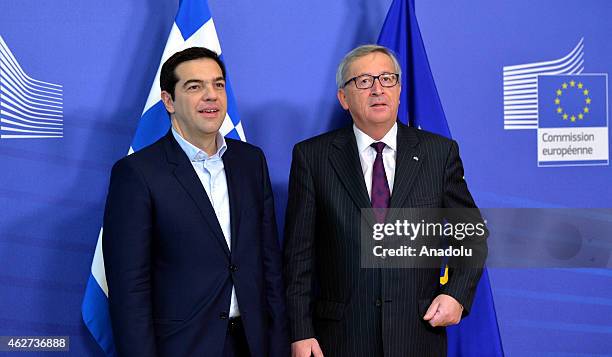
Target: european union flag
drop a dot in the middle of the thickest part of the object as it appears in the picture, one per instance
(477, 334)
(573, 120)
(419, 101)
(576, 100)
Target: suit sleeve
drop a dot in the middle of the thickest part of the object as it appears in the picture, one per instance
(299, 247)
(126, 246)
(463, 274)
(272, 260)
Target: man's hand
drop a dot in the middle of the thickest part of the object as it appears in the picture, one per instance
(306, 348)
(444, 311)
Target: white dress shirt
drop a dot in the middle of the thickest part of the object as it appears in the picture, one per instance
(367, 154)
(211, 172)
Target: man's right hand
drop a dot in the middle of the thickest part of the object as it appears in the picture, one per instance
(306, 348)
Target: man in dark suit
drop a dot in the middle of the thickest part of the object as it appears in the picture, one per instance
(335, 306)
(190, 244)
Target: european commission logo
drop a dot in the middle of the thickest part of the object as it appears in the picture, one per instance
(29, 108)
(567, 107)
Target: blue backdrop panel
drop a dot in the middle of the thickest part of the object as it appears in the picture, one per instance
(540, 312)
(52, 190)
(282, 58)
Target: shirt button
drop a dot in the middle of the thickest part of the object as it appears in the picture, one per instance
(233, 268)
(223, 315)
(378, 303)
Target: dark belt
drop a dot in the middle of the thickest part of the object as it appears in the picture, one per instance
(235, 325)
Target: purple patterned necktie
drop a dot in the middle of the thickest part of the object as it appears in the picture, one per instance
(380, 186)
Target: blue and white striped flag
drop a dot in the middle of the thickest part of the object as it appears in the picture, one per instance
(193, 26)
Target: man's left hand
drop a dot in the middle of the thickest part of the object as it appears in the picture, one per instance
(444, 311)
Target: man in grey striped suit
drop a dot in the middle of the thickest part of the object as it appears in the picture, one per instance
(335, 307)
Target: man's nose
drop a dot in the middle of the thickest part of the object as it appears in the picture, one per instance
(210, 94)
(377, 88)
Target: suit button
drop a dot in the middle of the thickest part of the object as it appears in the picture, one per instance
(223, 315)
(378, 303)
(233, 268)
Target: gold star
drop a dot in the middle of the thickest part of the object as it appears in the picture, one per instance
(564, 116)
(580, 116)
(588, 101)
(573, 118)
(559, 110)
(572, 83)
(580, 85)
(559, 92)
(564, 86)
(558, 101)
(586, 109)
(586, 92)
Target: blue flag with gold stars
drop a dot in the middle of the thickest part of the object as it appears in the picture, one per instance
(478, 333)
(572, 101)
(572, 120)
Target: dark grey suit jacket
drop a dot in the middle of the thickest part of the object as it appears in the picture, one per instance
(366, 312)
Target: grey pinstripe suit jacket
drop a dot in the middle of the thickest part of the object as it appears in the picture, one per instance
(366, 312)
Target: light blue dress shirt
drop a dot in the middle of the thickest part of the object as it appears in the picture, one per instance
(211, 172)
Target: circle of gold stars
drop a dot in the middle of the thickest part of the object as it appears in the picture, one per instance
(587, 100)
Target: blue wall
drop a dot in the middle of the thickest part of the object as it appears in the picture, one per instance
(282, 58)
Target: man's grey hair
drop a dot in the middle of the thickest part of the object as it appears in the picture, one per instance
(359, 52)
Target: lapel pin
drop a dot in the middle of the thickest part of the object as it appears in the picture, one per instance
(415, 158)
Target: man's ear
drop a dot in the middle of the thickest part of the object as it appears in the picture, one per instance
(342, 98)
(168, 102)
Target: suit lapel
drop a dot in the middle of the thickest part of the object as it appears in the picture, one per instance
(407, 164)
(345, 161)
(187, 177)
(233, 175)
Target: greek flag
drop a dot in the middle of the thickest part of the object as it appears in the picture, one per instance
(193, 26)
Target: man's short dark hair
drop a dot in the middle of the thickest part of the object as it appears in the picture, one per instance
(168, 78)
